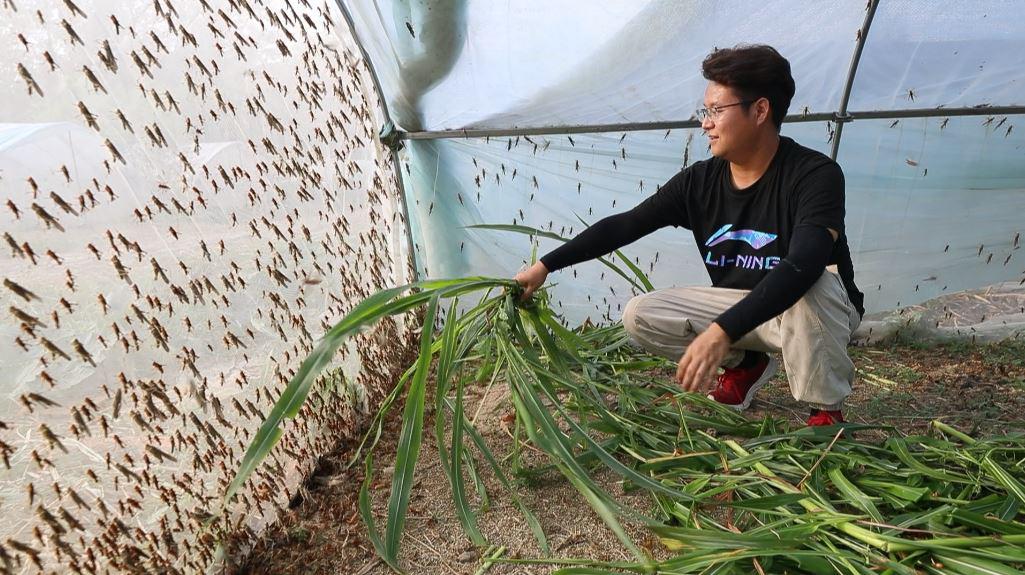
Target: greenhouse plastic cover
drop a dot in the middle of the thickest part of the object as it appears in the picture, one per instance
(192, 193)
(934, 204)
(573, 62)
(248, 192)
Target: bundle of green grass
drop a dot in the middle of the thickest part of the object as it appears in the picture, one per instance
(732, 495)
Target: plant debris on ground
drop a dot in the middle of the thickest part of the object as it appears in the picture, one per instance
(602, 461)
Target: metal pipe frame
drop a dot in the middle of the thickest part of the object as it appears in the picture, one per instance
(984, 110)
(851, 72)
(396, 164)
(840, 117)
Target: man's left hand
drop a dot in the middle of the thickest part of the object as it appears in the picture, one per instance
(697, 368)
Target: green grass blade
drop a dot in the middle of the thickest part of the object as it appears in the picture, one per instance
(571, 340)
(595, 448)
(408, 450)
(477, 479)
(699, 561)
(587, 571)
(463, 511)
(710, 539)
(446, 349)
(899, 447)
(553, 440)
(468, 327)
(855, 496)
(905, 492)
(367, 512)
(768, 502)
(536, 232)
(361, 316)
(489, 456)
(965, 565)
(1012, 485)
(985, 523)
(1009, 509)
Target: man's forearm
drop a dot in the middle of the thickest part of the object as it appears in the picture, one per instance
(604, 236)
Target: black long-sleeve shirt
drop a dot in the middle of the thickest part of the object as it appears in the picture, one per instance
(763, 233)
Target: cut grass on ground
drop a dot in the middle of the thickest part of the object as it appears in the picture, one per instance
(979, 389)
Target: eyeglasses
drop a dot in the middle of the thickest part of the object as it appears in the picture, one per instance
(715, 111)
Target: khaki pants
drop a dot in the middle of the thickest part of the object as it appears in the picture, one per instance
(812, 335)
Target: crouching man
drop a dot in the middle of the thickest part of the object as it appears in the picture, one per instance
(767, 215)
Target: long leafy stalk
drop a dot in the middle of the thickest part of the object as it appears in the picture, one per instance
(408, 450)
(639, 280)
(728, 492)
(367, 312)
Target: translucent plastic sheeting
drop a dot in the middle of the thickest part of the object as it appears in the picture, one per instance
(192, 194)
(991, 314)
(934, 205)
(949, 53)
(456, 183)
(929, 210)
(449, 65)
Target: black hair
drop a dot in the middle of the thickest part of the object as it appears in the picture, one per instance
(753, 72)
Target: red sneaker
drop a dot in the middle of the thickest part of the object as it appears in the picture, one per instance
(737, 387)
(823, 417)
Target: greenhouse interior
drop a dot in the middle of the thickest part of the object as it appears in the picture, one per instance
(372, 175)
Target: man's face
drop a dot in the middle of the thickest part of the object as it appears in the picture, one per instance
(733, 128)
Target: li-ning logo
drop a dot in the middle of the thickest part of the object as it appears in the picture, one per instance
(754, 238)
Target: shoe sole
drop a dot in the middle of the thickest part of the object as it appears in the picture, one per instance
(770, 371)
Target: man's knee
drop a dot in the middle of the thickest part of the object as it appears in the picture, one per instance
(817, 296)
(630, 312)
(822, 310)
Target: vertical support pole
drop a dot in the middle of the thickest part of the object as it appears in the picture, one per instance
(842, 117)
(396, 165)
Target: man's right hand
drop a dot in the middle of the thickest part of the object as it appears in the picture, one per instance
(531, 279)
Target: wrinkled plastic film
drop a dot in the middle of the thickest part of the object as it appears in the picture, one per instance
(932, 206)
(193, 194)
(540, 63)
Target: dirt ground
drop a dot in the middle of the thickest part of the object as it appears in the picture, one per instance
(979, 389)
